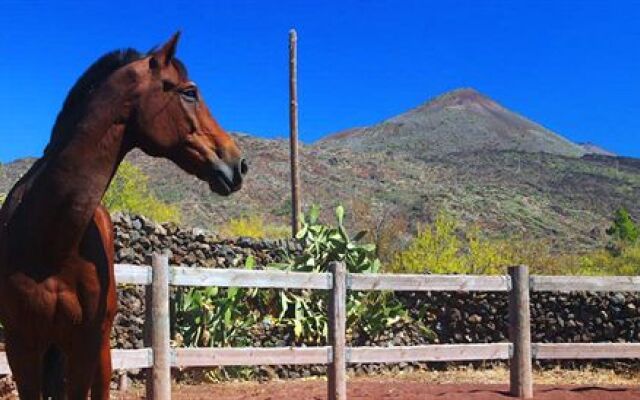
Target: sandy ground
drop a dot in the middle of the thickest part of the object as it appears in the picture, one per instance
(387, 389)
(447, 385)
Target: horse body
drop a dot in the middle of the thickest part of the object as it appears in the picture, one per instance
(57, 288)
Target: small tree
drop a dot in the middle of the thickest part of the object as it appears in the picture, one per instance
(129, 191)
(436, 249)
(623, 228)
(448, 247)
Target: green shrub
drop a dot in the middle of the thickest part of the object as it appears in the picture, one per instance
(625, 261)
(324, 244)
(129, 191)
(444, 248)
(216, 316)
(223, 317)
(441, 249)
(2, 198)
(436, 249)
(254, 226)
(621, 256)
(623, 227)
(370, 312)
(487, 256)
(540, 256)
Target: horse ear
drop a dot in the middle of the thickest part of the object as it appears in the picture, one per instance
(165, 54)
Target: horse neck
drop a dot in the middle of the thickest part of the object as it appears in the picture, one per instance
(71, 181)
(82, 171)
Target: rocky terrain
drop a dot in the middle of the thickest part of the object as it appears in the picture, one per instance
(461, 151)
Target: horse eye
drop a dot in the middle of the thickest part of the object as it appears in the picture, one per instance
(190, 95)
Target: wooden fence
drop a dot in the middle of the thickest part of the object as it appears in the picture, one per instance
(158, 357)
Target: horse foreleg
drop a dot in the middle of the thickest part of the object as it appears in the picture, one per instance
(53, 374)
(102, 378)
(25, 359)
(82, 364)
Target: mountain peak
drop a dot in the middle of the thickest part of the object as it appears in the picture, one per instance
(462, 98)
(461, 120)
(461, 94)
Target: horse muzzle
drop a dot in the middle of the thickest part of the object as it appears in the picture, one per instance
(225, 178)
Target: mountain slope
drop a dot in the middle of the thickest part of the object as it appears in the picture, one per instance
(529, 182)
(592, 148)
(565, 199)
(458, 121)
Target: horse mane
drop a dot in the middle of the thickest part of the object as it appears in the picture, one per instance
(75, 105)
(74, 108)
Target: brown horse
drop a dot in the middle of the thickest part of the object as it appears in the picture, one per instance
(57, 289)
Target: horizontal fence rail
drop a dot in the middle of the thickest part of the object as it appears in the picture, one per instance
(578, 351)
(185, 276)
(210, 357)
(120, 360)
(248, 356)
(542, 283)
(436, 352)
(127, 274)
(160, 357)
(424, 283)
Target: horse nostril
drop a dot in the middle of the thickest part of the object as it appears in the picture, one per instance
(244, 168)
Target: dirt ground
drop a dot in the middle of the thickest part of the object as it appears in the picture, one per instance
(385, 388)
(451, 384)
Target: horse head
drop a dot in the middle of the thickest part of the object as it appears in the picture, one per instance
(169, 118)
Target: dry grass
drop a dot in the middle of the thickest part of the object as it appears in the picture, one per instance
(500, 375)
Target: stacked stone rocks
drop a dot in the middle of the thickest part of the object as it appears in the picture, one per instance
(137, 238)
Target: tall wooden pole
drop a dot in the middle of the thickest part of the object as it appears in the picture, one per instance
(293, 131)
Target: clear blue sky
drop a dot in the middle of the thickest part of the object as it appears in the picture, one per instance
(573, 66)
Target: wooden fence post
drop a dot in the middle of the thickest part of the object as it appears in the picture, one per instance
(337, 368)
(520, 333)
(147, 332)
(160, 382)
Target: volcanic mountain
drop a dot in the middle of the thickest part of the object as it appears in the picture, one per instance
(462, 120)
(460, 152)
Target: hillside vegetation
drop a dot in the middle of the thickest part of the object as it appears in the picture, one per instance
(460, 153)
(129, 191)
(444, 248)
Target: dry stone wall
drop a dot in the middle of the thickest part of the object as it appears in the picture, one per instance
(450, 317)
